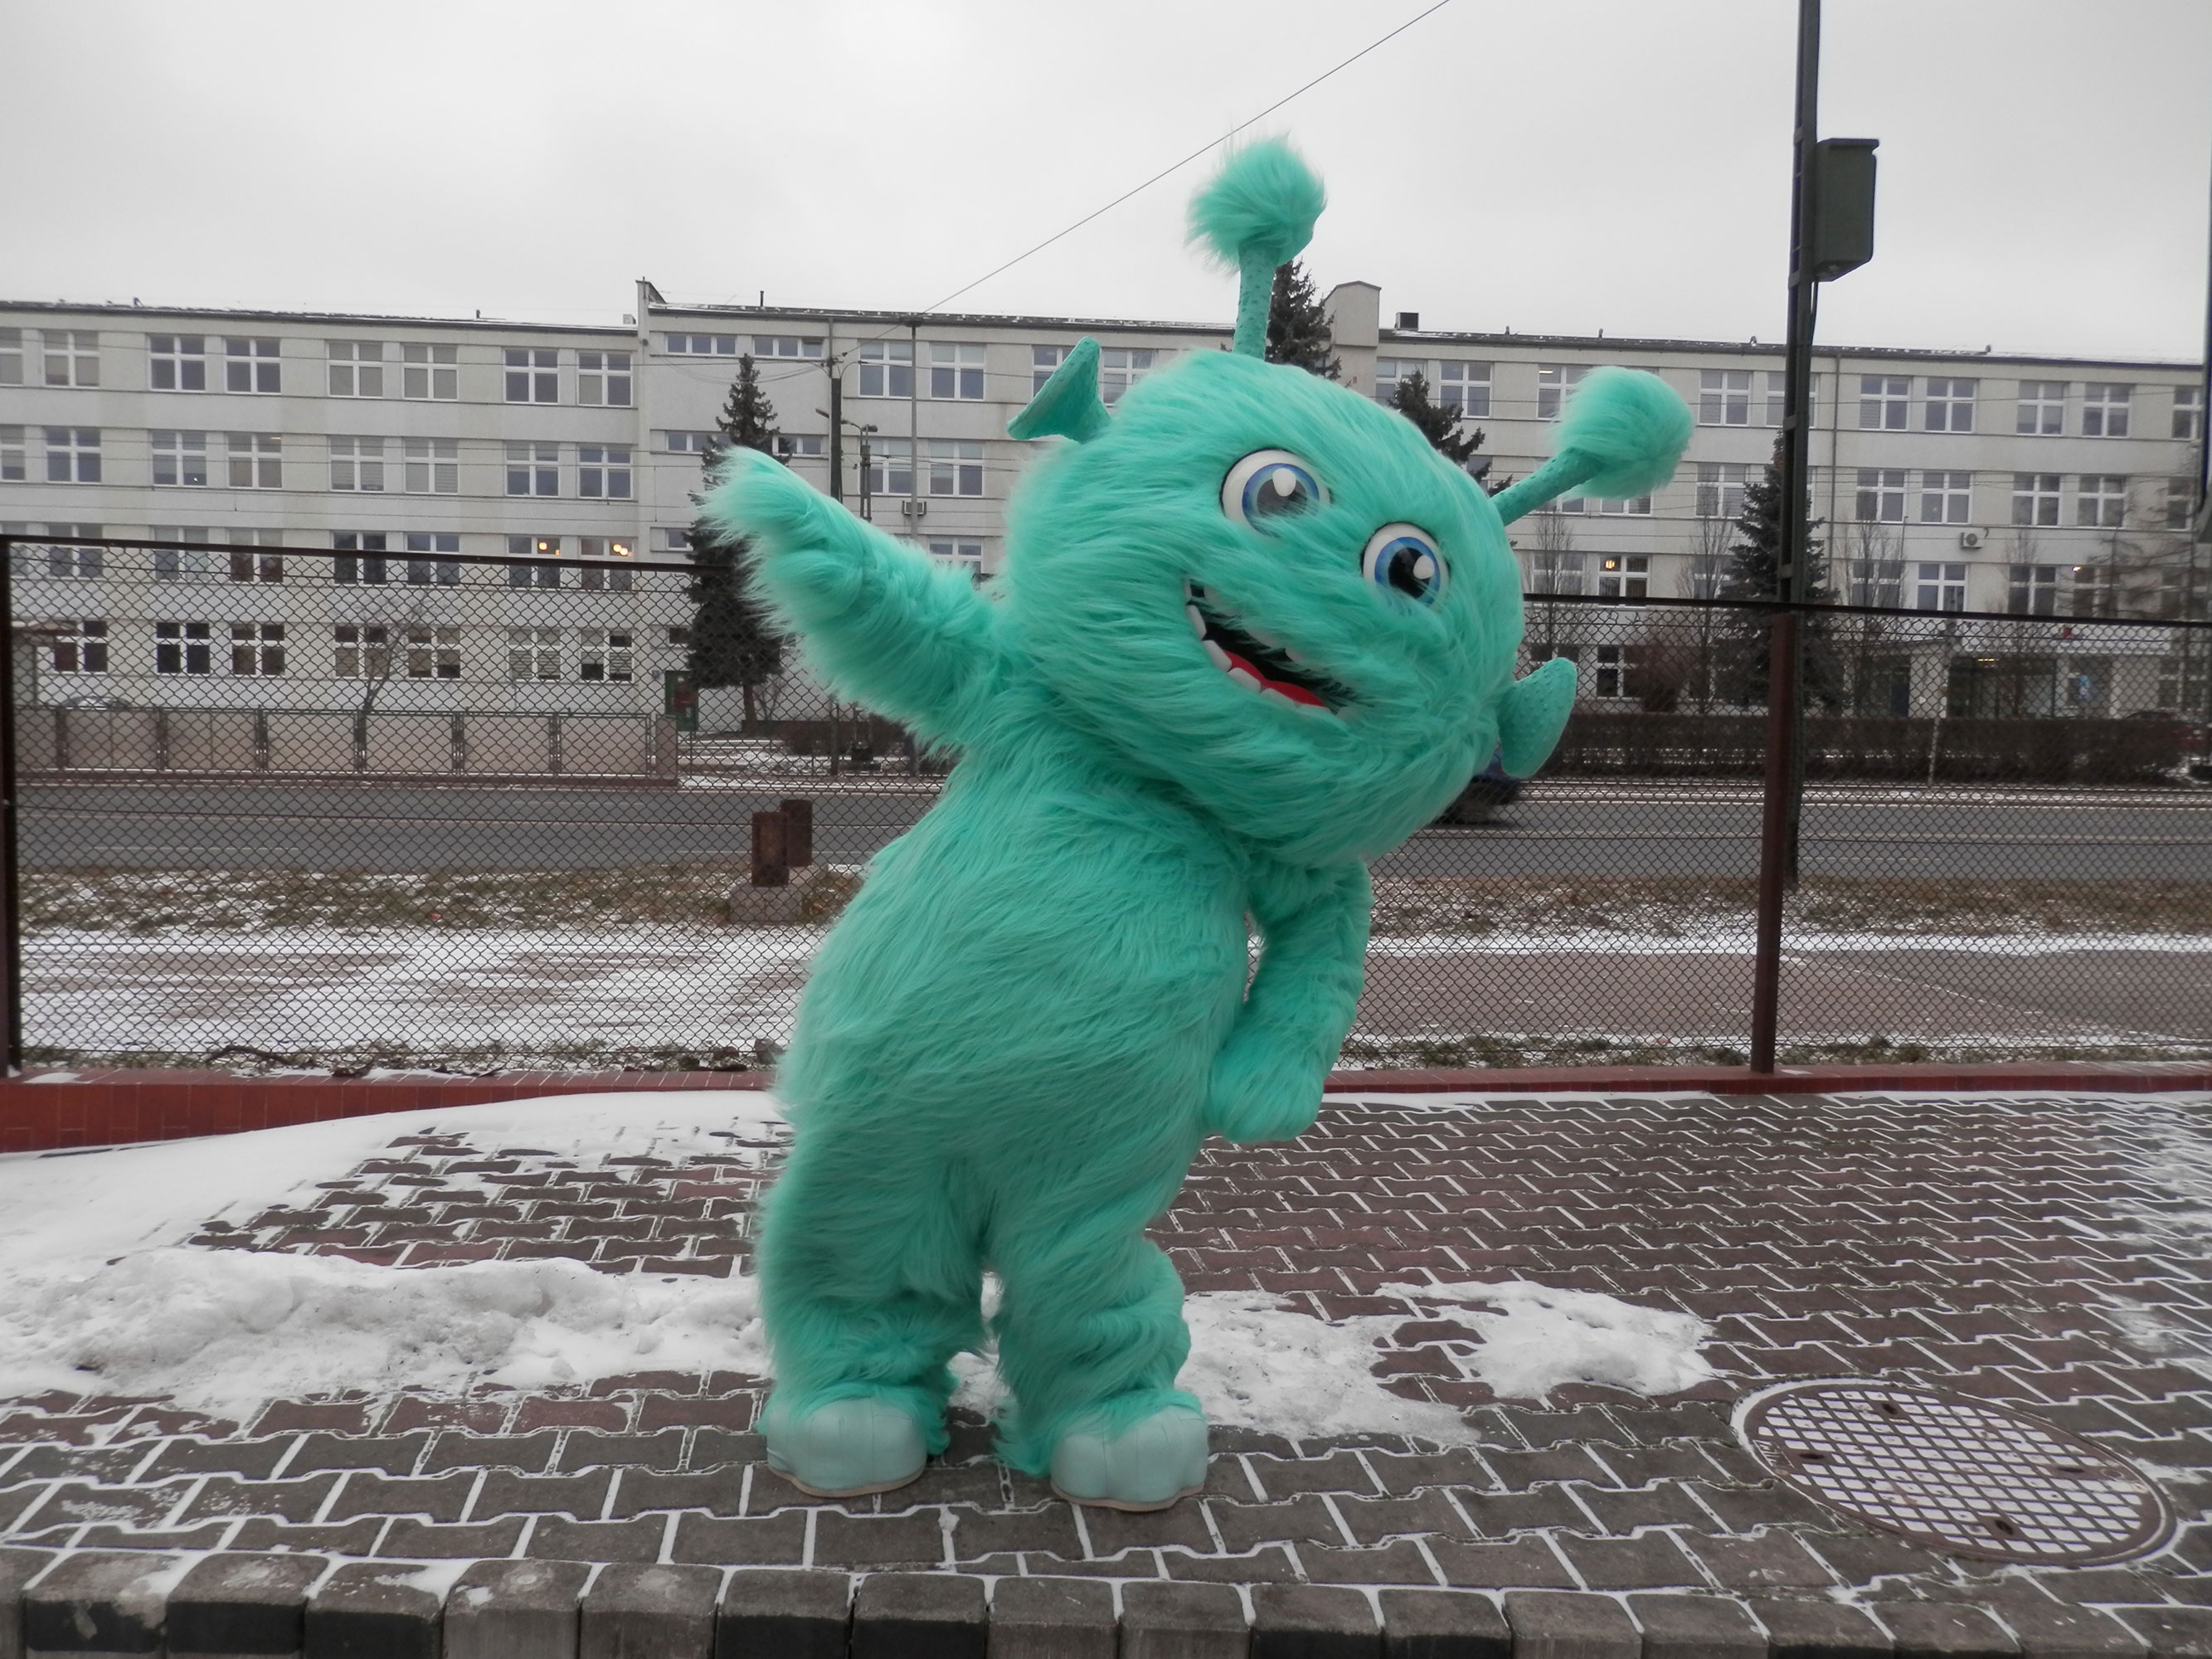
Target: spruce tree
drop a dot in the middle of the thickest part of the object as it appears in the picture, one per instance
(1297, 324)
(732, 641)
(1439, 425)
(1753, 572)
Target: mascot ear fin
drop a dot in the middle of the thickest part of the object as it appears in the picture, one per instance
(1623, 433)
(1068, 407)
(1532, 714)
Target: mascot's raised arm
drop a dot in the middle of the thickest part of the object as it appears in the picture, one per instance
(1252, 632)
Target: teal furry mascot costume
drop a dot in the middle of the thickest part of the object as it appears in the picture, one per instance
(1252, 632)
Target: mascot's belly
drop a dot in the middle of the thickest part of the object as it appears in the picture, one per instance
(1031, 958)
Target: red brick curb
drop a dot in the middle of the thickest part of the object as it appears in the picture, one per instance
(107, 1108)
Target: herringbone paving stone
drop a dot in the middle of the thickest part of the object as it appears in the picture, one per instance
(2046, 1253)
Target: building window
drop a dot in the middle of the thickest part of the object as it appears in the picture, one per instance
(956, 371)
(2035, 498)
(1554, 382)
(11, 356)
(2042, 407)
(2100, 501)
(1608, 678)
(1119, 367)
(434, 653)
(360, 651)
(2189, 413)
(807, 445)
(1623, 576)
(1883, 400)
(1946, 498)
(72, 357)
(257, 461)
(252, 366)
(13, 466)
(1877, 582)
(956, 468)
(533, 469)
(1464, 388)
(1390, 373)
(2031, 590)
(246, 567)
(674, 539)
(702, 345)
(533, 653)
(173, 564)
(180, 459)
(533, 375)
(604, 654)
(1881, 494)
(786, 345)
(361, 556)
(424, 569)
(80, 563)
(430, 371)
(72, 454)
(256, 648)
(357, 464)
(177, 362)
(1640, 505)
(1940, 588)
(890, 467)
(533, 575)
(2105, 408)
(1043, 360)
(604, 578)
(689, 443)
(2093, 594)
(602, 471)
(2180, 502)
(1724, 397)
(432, 466)
(603, 379)
(1951, 404)
(357, 369)
(961, 555)
(80, 646)
(182, 647)
(887, 369)
(1554, 571)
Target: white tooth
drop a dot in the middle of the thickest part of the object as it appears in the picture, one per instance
(1197, 621)
(1268, 640)
(1294, 656)
(1274, 695)
(1250, 682)
(1220, 657)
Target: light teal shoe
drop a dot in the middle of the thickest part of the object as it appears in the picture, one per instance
(845, 1449)
(1147, 1465)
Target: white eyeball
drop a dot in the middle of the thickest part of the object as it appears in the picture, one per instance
(1269, 484)
(1403, 559)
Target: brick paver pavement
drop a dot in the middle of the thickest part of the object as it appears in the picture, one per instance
(2047, 1253)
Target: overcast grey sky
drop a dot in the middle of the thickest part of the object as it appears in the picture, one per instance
(1549, 166)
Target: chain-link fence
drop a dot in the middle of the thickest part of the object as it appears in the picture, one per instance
(278, 808)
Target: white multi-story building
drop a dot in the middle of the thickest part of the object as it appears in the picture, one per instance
(1948, 480)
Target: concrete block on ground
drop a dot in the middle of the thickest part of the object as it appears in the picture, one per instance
(1570, 1625)
(515, 1610)
(920, 1615)
(650, 1613)
(1053, 1618)
(98, 1604)
(803, 1615)
(1182, 1621)
(17, 1569)
(781, 906)
(233, 1604)
(2059, 1631)
(1313, 1621)
(1697, 1627)
(1425, 1624)
(2172, 1633)
(373, 1610)
(1936, 1630)
(1821, 1630)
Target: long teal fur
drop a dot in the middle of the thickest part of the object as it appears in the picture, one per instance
(1621, 434)
(1035, 1008)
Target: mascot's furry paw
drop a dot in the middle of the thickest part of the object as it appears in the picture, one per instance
(844, 1449)
(1147, 1465)
(1261, 1091)
(807, 538)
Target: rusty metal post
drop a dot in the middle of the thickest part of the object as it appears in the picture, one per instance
(1774, 838)
(798, 834)
(770, 868)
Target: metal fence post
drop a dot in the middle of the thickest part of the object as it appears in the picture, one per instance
(11, 950)
(1774, 838)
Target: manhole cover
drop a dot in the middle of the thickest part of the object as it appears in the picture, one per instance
(1953, 1473)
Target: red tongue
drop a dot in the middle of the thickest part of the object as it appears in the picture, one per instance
(1295, 693)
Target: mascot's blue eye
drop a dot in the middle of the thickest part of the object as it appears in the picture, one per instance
(1404, 559)
(1270, 483)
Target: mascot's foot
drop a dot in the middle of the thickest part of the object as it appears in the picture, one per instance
(1147, 1465)
(845, 1449)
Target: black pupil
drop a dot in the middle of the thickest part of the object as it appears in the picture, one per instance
(1280, 489)
(1403, 559)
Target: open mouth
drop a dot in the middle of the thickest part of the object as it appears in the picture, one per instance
(1256, 664)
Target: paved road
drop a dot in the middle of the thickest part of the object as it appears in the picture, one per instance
(1556, 829)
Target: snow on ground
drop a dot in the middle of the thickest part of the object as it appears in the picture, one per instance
(2178, 1167)
(97, 1291)
(1729, 935)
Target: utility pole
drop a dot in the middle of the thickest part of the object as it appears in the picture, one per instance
(914, 429)
(835, 415)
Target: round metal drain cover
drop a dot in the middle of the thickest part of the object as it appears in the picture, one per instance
(1955, 1474)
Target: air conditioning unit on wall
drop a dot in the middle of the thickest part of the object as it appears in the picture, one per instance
(1970, 539)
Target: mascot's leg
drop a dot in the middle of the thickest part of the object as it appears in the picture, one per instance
(869, 1283)
(1091, 1336)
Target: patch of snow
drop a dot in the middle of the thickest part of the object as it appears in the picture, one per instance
(1732, 933)
(1541, 1338)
